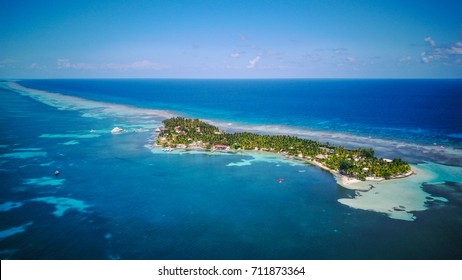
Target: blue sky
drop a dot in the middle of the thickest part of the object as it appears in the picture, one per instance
(231, 39)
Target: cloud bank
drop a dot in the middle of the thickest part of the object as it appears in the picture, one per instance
(64, 63)
(449, 53)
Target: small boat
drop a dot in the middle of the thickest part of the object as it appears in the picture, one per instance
(280, 180)
(56, 172)
(116, 130)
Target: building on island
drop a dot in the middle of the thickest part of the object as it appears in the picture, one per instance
(221, 148)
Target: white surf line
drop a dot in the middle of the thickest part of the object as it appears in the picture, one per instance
(96, 108)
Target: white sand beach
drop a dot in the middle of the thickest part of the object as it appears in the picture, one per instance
(399, 198)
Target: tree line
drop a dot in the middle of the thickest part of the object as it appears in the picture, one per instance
(359, 163)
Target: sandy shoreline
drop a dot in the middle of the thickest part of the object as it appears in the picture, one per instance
(342, 180)
(399, 199)
(355, 184)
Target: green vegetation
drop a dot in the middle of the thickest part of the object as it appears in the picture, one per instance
(359, 163)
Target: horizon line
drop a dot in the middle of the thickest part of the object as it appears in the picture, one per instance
(190, 78)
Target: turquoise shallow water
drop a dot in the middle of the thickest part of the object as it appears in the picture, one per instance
(115, 198)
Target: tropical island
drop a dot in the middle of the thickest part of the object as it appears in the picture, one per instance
(357, 164)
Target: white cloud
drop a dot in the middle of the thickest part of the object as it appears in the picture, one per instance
(450, 53)
(350, 59)
(456, 48)
(144, 64)
(430, 41)
(235, 54)
(253, 62)
(340, 51)
(405, 58)
(137, 65)
(313, 56)
(425, 58)
(34, 66)
(63, 63)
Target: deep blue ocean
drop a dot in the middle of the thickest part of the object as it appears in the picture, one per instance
(116, 198)
(421, 110)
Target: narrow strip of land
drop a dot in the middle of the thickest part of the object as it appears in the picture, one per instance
(349, 164)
